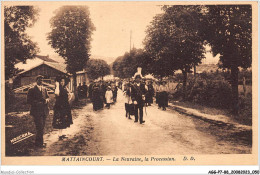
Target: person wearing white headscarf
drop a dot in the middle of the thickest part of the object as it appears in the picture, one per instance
(62, 112)
(163, 96)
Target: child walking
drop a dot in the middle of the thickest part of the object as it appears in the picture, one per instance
(109, 97)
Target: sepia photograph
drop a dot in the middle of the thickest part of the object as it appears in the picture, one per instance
(129, 83)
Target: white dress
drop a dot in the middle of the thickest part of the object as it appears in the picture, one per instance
(109, 96)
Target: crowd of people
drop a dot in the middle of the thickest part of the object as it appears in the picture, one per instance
(102, 93)
(138, 93)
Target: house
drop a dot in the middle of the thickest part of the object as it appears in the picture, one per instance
(47, 67)
(82, 77)
(206, 68)
(202, 68)
(41, 65)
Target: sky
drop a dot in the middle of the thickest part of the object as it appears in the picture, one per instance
(113, 22)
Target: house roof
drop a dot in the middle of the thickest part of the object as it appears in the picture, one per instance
(59, 66)
(46, 58)
(55, 65)
(39, 60)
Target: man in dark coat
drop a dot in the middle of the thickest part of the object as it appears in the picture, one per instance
(80, 91)
(138, 97)
(103, 89)
(149, 94)
(114, 91)
(38, 98)
(97, 99)
(90, 90)
(85, 90)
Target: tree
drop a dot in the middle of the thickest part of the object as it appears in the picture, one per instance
(18, 45)
(174, 42)
(116, 66)
(70, 37)
(126, 66)
(97, 68)
(229, 32)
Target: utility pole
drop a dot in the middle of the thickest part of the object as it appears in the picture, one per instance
(130, 40)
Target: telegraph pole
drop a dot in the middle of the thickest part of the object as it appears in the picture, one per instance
(130, 40)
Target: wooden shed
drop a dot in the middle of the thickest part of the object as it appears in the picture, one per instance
(42, 65)
(45, 66)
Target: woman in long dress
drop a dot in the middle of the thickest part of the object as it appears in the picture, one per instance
(128, 101)
(163, 97)
(62, 112)
(157, 92)
(114, 91)
(97, 97)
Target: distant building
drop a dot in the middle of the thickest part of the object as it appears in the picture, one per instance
(206, 68)
(202, 68)
(82, 77)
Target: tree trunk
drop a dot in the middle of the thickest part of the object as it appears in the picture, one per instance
(194, 82)
(234, 85)
(184, 84)
(244, 86)
(75, 87)
(194, 71)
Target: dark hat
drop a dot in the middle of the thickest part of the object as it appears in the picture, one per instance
(39, 77)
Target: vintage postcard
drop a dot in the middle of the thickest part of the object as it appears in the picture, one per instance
(129, 83)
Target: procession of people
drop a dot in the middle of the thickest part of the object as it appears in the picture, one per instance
(102, 93)
(138, 92)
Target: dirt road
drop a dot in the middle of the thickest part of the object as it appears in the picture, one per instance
(109, 132)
